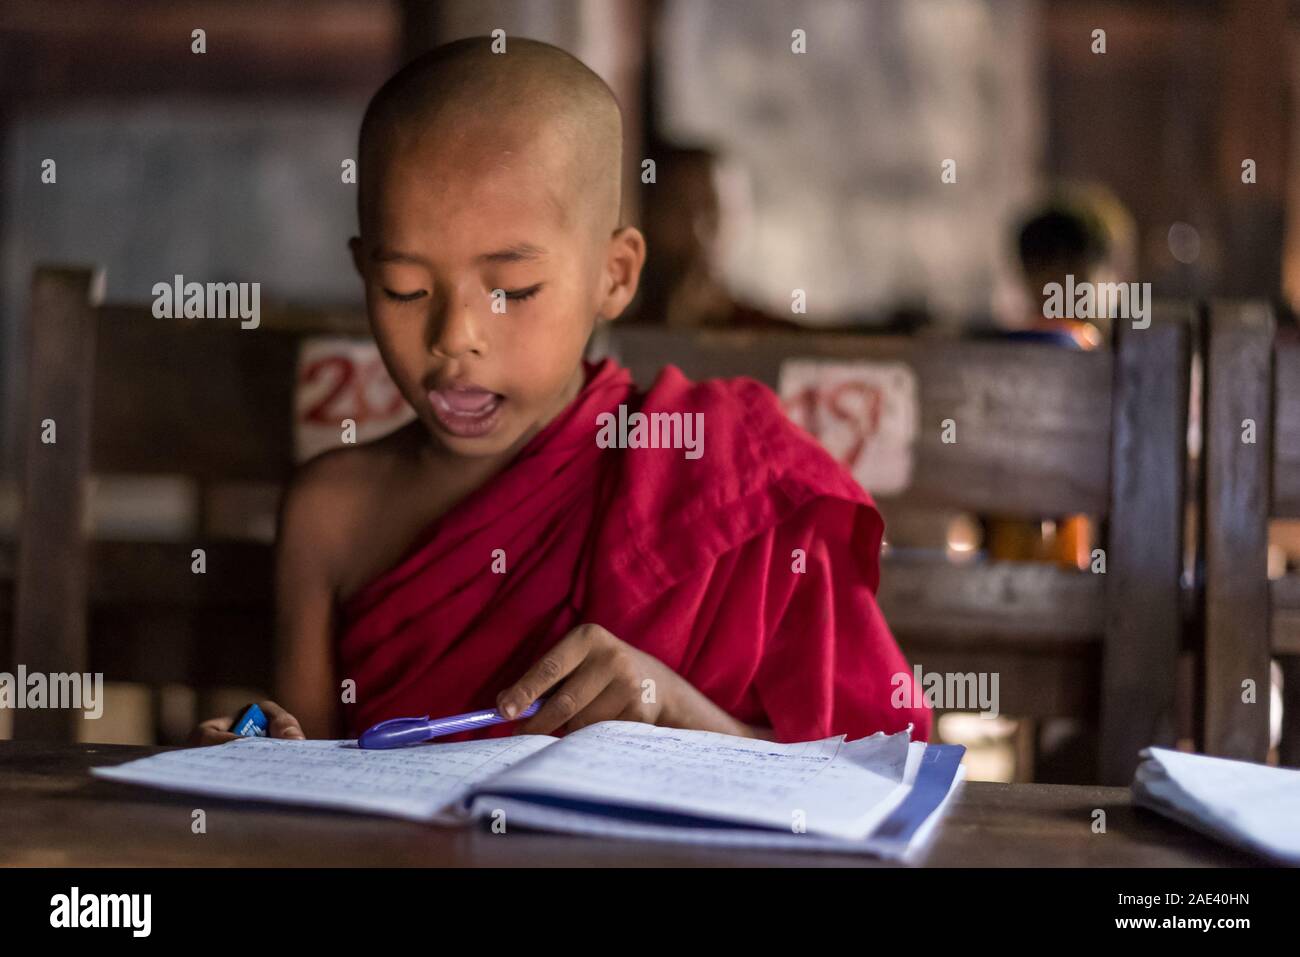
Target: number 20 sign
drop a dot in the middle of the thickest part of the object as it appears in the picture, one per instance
(338, 379)
(864, 413)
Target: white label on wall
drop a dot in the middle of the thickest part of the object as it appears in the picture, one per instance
(343, 378)
(864, 413)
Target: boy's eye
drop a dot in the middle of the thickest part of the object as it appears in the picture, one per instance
(404, 296)
(519, 295)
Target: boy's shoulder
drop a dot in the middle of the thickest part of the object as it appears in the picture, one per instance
(731, 397)
(748, 439)
(757, 472)
(742, 414)
(336, 499)
(349, 472)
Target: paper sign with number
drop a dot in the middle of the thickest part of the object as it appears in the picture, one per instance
(341, 378)
(864, 413)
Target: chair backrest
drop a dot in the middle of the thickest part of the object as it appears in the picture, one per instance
(1040, 431)
(121, 391)
(1252, 474)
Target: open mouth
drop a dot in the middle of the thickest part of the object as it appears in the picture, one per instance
(466, 411)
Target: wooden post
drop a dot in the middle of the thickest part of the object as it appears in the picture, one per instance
(1253, 123)
(50, 614)
(1238, 393)
(1144, 549)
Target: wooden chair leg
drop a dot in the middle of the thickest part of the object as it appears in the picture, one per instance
(1238, 429)
(1026, 741)
(1144, 543)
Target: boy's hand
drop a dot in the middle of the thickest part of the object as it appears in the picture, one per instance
(280, 724)
(592, 676)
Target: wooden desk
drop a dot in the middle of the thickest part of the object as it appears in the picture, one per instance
(52, 813)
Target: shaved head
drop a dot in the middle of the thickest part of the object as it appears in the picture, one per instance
(463, 98)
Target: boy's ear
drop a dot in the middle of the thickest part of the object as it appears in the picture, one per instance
(354, 246)
(624, 257)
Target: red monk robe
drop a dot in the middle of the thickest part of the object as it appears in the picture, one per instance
(690, 560)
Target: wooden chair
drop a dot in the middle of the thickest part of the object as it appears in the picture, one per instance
(1044, 431)
(1252, 376)
(133, 394)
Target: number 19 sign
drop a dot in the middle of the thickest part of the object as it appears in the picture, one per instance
(864, 413)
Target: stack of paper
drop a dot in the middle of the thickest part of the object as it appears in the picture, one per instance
(1251, 806)
(879, 795)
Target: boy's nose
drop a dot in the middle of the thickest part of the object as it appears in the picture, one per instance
(456, 331)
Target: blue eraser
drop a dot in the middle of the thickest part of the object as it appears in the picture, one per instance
(251, 724)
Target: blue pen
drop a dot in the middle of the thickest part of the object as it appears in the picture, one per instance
(399, 732)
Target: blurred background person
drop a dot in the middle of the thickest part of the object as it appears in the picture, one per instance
(695, 207)
(1079, 235)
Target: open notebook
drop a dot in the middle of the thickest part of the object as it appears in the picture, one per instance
(879, 795)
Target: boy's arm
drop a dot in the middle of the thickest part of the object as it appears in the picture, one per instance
(307, 544)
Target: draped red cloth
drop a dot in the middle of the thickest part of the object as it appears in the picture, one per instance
(693, 561)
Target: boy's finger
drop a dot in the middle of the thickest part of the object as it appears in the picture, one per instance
(612, 704)
(567, 654)
(217, 724)
(212, 732)
(280, 723)
(569, 700)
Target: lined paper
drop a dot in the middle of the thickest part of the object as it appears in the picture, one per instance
(421, 783)
(831, 787)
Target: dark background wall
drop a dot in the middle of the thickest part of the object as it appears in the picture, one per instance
(226, 165)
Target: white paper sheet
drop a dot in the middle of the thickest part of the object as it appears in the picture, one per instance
(1253, 806)
(829, 787)
(421, 783)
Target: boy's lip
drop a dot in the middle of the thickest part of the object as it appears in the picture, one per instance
(465, 409)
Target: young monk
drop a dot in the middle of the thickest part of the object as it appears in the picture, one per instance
(492, 551)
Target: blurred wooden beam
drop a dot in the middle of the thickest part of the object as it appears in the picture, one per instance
(50, 591)
(1253, 123)
(63, 49)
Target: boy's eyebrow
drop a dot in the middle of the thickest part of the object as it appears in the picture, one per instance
(519, 252)
(382, 255)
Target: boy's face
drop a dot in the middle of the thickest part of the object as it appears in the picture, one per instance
(484, 276)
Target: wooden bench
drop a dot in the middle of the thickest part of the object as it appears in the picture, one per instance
(133, 394)
(1252, 373)
(1043, 432)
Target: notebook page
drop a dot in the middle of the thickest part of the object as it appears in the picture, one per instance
(829, 787)
(525, 813)
(418, 783)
